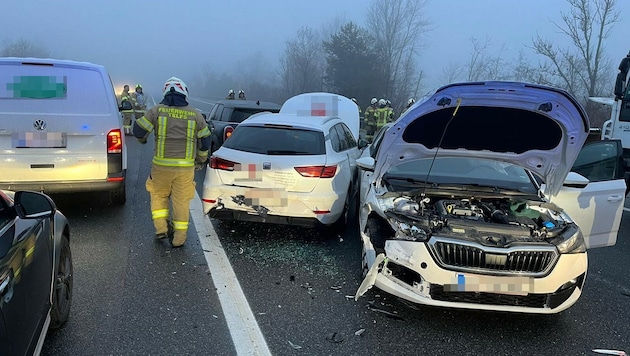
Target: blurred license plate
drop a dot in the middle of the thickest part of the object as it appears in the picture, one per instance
(466, 283)
(266, 197)
(39, 139)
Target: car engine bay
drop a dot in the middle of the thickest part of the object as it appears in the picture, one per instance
(488, 221)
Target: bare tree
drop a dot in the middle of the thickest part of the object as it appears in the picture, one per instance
(23, 48)
(581, 70)
(302, 65)
(483, 65)
(451, 73)
(397, 26)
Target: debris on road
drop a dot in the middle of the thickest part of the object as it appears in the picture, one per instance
(359, 332)
(335, 338)
(294, 346)
(383, 311)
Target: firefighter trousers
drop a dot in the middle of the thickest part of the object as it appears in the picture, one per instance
(171, 187)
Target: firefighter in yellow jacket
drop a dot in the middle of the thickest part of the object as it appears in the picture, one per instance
(182, 139)
(384, 114)
(126, 108)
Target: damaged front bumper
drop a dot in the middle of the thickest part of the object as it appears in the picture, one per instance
(407, 270)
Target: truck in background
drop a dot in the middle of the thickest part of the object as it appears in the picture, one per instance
(618, 126)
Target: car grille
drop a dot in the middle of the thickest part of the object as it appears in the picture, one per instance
(531, 300)
(470, 257)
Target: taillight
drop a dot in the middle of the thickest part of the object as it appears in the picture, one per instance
(317, 171)
(220, 163)
(114, 141)
(227, 132)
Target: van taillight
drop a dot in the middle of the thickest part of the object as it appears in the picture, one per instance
(220, 163)
(114, 141)
(317, 171)
(227, 132)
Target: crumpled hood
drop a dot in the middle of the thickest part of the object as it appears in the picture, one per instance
(539, 128)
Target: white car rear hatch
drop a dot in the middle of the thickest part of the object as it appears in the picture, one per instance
(275, 157)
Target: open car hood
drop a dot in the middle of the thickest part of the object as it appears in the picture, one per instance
(539, 128)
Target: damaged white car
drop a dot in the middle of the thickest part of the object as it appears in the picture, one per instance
(471, 202)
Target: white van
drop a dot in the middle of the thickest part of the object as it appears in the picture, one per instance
(60, 128)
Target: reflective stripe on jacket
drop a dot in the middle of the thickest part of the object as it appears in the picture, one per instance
(176, 132)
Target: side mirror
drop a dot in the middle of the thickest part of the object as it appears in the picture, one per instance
(366, 163)
(33, 205)
(575, 180)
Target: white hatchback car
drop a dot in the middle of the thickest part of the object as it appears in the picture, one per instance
(60, 128)
(294, 167)
(470, 202)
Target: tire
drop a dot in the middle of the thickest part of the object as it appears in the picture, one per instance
(62, 292)
(364, 266)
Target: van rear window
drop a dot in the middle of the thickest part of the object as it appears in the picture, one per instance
(53, 89)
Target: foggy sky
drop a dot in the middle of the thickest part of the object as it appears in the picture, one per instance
(142, 41)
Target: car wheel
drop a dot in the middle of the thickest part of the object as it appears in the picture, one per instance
(364, 264)
(62, 293)
(118, 196)
(378, 231)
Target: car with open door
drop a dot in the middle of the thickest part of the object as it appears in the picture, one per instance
(484, 196)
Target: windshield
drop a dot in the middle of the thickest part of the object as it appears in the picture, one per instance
(277, 141)
(462, 171)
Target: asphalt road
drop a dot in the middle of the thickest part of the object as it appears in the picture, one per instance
(135, 296)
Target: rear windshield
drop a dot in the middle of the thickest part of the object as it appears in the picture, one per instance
(53, 89)
(277, 141)
(240, 114)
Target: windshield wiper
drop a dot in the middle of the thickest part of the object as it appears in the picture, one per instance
(286, 152)
(410, 180)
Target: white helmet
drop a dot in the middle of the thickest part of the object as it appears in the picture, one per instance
(230, 92)
(411, 101)
(177, 85)
(373, 101)
(382, 102)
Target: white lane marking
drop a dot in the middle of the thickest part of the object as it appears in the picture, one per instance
(246, 335)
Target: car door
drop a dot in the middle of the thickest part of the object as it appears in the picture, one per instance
(597, 206)
(370, 151)
(353, 151)
(339, 156)
(25, 277)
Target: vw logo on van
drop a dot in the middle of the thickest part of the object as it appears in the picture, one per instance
(39, 124)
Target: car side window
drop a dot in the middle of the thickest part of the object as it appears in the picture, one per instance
(377, 141)
(352, 142)
(6, 213)
(343, 143)
(600, 161)
(214, 112)
(335, 140)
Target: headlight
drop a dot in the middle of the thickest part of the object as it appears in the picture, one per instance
(409, 232)
(570, 241)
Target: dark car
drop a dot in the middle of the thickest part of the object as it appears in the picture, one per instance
(227, 114)
(35, 271)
